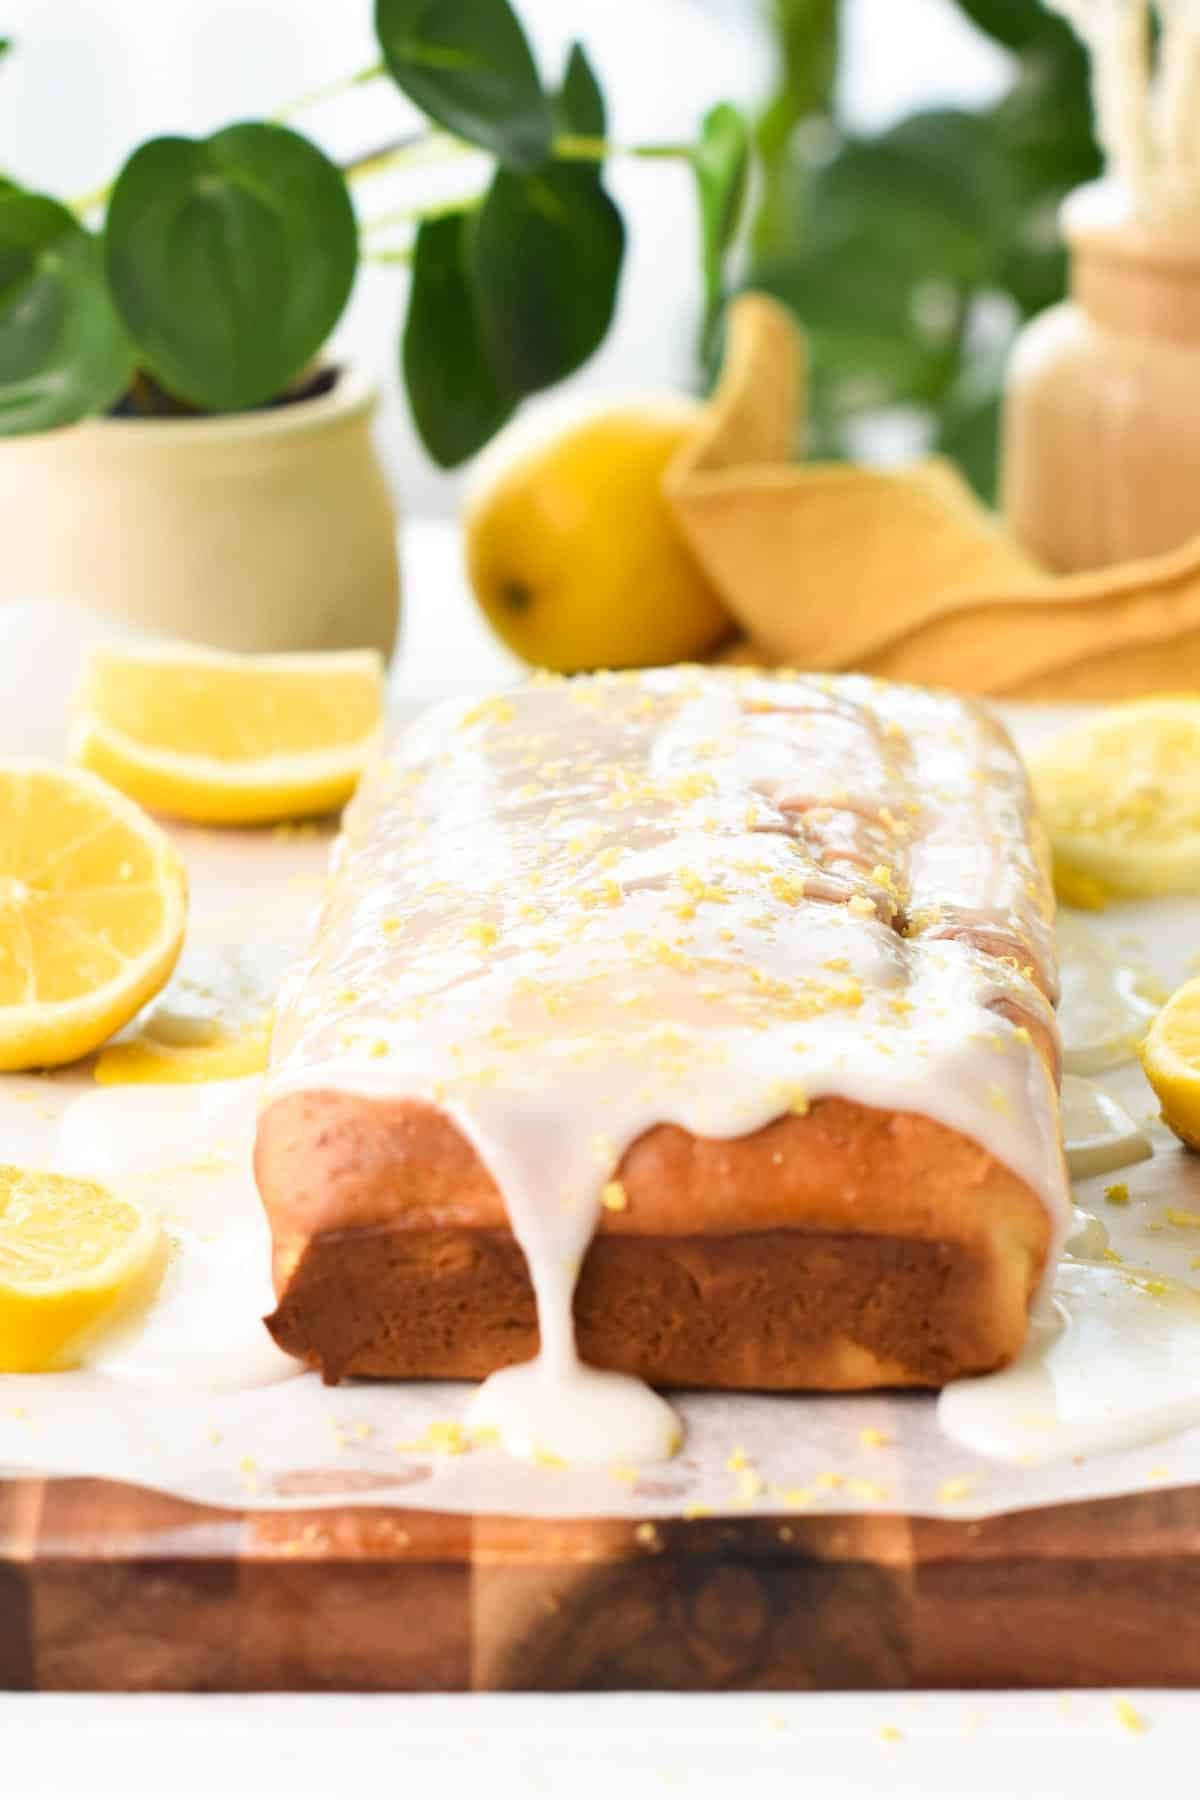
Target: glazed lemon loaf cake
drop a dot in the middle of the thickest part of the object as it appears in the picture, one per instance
(702, 1017)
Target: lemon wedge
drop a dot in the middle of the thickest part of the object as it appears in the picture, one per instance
(93, 904)
(73, 1258)
(1120, 797)
(1170, 1056)
(221, 739)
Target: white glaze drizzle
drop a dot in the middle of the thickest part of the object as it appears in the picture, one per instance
(1108, 1000)
(1114, 1365)
(694, 897)
(1098, 1134)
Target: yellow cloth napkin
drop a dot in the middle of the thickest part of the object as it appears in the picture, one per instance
(904, 574)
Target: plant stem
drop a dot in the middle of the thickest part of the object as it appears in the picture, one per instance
(654, 152)
(330, 91)
(434, 146)
(581, 149)
(593, 149)
(414, 215)
(417, 148)
(412, 150)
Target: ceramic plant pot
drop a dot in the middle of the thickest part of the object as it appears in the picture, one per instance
(270, 530)
(1102, 415)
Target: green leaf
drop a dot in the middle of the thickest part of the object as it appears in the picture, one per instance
(468, 66)
(63, 354)
(807, 34)
(6, 45)
(968, 426)
(867, 348)
(721, 164)
(1034, 273)
(579, 109)
(932, 196)
(230, 260)
(456, 402)
(1014, 23)
(546, 255)
(1045, 123)
(579, 105)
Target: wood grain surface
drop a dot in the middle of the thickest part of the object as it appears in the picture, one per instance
(110, 1588)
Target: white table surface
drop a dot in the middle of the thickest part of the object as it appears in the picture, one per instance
(1039, 1746)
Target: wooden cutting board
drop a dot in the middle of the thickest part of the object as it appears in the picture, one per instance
(105, 1587)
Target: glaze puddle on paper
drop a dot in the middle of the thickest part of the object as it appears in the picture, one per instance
(1115, 1367)
(1108, 999)
(1098, 1133)
(185, 1152)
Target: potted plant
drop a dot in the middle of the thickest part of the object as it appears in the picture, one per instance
(184, 454)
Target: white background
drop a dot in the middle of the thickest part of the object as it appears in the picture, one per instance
(92, 78)
(599, 1747)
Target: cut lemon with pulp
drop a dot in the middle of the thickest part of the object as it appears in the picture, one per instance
(1170, 1056)
(1120, 797)
(93, 904)
(221, 739)
(73, 1258)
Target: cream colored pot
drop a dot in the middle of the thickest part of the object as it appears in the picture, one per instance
(270, 530)
(1102, 416)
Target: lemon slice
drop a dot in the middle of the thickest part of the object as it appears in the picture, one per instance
(93, 904)
(1170, 1056)
(1120, 797)
(229, 740)
(73, 1259)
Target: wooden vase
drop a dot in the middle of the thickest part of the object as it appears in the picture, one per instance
(1101, 441)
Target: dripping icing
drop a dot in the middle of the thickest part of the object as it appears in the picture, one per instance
(718, 897)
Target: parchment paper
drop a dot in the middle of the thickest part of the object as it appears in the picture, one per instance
(299, 1444)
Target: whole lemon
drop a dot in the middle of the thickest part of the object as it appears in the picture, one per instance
(570, 544)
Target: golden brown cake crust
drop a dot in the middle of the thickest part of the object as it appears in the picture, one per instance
(848, 1248)
(563, 916)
